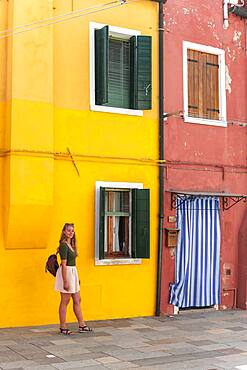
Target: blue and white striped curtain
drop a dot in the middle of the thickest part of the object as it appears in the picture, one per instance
(197, 282)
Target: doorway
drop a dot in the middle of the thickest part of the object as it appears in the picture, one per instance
(197, 277)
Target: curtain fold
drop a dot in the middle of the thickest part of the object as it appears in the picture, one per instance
(197, 282)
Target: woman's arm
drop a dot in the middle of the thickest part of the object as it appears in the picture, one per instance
(64, 274)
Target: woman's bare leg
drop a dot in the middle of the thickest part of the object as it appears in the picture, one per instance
(65, 298)
(77, 308)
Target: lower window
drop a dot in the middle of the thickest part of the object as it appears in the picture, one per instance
(117, 222)
(123, 215)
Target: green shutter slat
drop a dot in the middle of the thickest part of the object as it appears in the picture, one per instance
(141, 72)
(102, 224)
(133, 73)
(101, 65)
(140, 223)
(119, 74)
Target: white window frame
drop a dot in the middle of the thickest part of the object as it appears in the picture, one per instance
(222, 84)
(124, 33)
(114, 185)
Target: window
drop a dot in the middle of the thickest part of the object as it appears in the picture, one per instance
(122, 218)
(117, 221)
(121, 70)
(204, 85)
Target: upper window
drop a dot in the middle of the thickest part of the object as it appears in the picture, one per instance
(122, 222)
(121, 70)
(204, 85)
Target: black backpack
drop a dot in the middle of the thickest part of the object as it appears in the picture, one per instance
(52, 264)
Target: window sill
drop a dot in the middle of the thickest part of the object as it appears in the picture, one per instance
(203, 121)
(130, 112)
(118, 261)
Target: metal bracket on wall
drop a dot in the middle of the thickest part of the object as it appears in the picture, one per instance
(178, 199)
(229, 202)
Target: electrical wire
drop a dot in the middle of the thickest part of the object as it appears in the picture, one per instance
(55, 22)
(72, 157)
(57, 16)
(180, 114)
(78, 156)
(103, 8)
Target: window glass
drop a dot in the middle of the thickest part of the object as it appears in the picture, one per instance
(117, 223)
(117, 201)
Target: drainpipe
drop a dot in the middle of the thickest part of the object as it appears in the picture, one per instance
(225, 13)
(161, 152)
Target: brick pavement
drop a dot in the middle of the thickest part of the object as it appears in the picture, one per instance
(200, 339)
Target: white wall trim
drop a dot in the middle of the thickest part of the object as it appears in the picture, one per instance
(204, 121)
(116, 185)
(222, 84)
(102, 108)
(115, 31)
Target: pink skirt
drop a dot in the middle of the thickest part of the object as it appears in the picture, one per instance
(72, 278)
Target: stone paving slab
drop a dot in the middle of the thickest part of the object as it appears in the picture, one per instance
(17, 364)
(74, 364)
(77, 357)
(122, 365)
(97, 367)
(39, 367)
(196, 339)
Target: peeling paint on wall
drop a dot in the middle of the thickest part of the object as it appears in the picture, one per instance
(237, 38)
(231, 54)
(186, 11)
(216, 37)
(228, 81)
(211, 24)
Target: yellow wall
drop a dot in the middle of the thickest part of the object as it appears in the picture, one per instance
(44, 109)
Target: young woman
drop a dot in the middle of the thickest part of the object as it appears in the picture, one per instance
(67, 281)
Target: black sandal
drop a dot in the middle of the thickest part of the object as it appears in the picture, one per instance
(65, 331)
(84, 329)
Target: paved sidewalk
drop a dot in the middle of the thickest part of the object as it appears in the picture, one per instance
(192, 340)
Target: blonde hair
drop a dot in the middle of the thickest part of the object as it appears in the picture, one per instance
(73, 240)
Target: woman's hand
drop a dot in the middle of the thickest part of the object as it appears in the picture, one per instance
(64, 275)
(66, 285)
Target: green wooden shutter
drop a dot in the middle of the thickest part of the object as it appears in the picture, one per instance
(140, 223)
(141, 72)
(101, 65)
(102, 224)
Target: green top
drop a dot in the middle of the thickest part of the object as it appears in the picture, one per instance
(66, 253)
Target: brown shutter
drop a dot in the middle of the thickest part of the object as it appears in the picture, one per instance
(203, 85)
(212, 87)
(193, 83)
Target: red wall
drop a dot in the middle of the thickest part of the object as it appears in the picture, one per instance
(202, 157)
